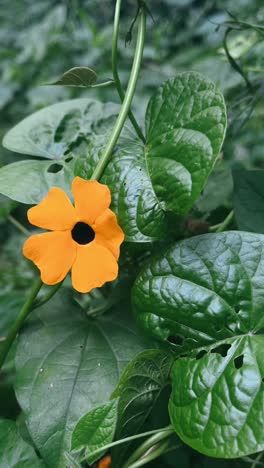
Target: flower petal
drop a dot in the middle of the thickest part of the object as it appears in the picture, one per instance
(108, 232)
(53, 253)
(91, 199)
(54, 212)
(94, 265)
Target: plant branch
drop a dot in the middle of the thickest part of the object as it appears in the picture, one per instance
(13, 331)
(127, 99)
(115, 69)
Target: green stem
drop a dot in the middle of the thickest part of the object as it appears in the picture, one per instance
(222, 226)
(49, 295)
(147, 444)
(115, 69)
(128, 439)
(151, 456)
(13, 331)
(127, 99)
(18, 225)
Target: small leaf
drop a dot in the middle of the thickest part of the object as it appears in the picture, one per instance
(14, 451)
(138, 390)
(205, 296)
(95, 429)
(249, 200)
(67, 364)
(78, 76)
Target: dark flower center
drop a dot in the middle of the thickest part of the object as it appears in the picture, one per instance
(82, 233)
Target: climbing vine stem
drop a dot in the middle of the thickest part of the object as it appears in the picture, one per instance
(115, 69)
(127, 98)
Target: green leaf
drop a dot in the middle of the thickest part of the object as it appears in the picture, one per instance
(138, 390)
(67, 364)
(205, 296)
(53, 131)
(249, 200)
(29, 181)
(83, 77)
(14, 451)
(95, 429)
(185, 123)
(59, 132)
(217, 401)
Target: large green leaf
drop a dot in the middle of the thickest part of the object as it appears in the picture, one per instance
(249, 200)
(138, 390)
(59, 132)
(185, 124)
(67, 364)
(95, 429)
(205, 296)
(14, 451)
(52, 131)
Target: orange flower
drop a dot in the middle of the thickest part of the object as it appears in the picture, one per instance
(105, 462)
(85, 238)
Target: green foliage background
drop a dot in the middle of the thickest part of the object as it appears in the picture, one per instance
(39, 41)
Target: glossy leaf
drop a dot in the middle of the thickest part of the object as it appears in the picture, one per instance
(138, 390)
(95, 429)
(53, 131)
(78, 76)
(185, 124)
(67, 364)
(14, 451)
(217, 402)
(205, 296)
(249, 200)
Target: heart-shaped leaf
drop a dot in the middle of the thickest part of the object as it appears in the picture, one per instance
(185, 122)
(205, 296)
(67, 364)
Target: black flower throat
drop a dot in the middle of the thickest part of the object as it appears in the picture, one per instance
(82, 233)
